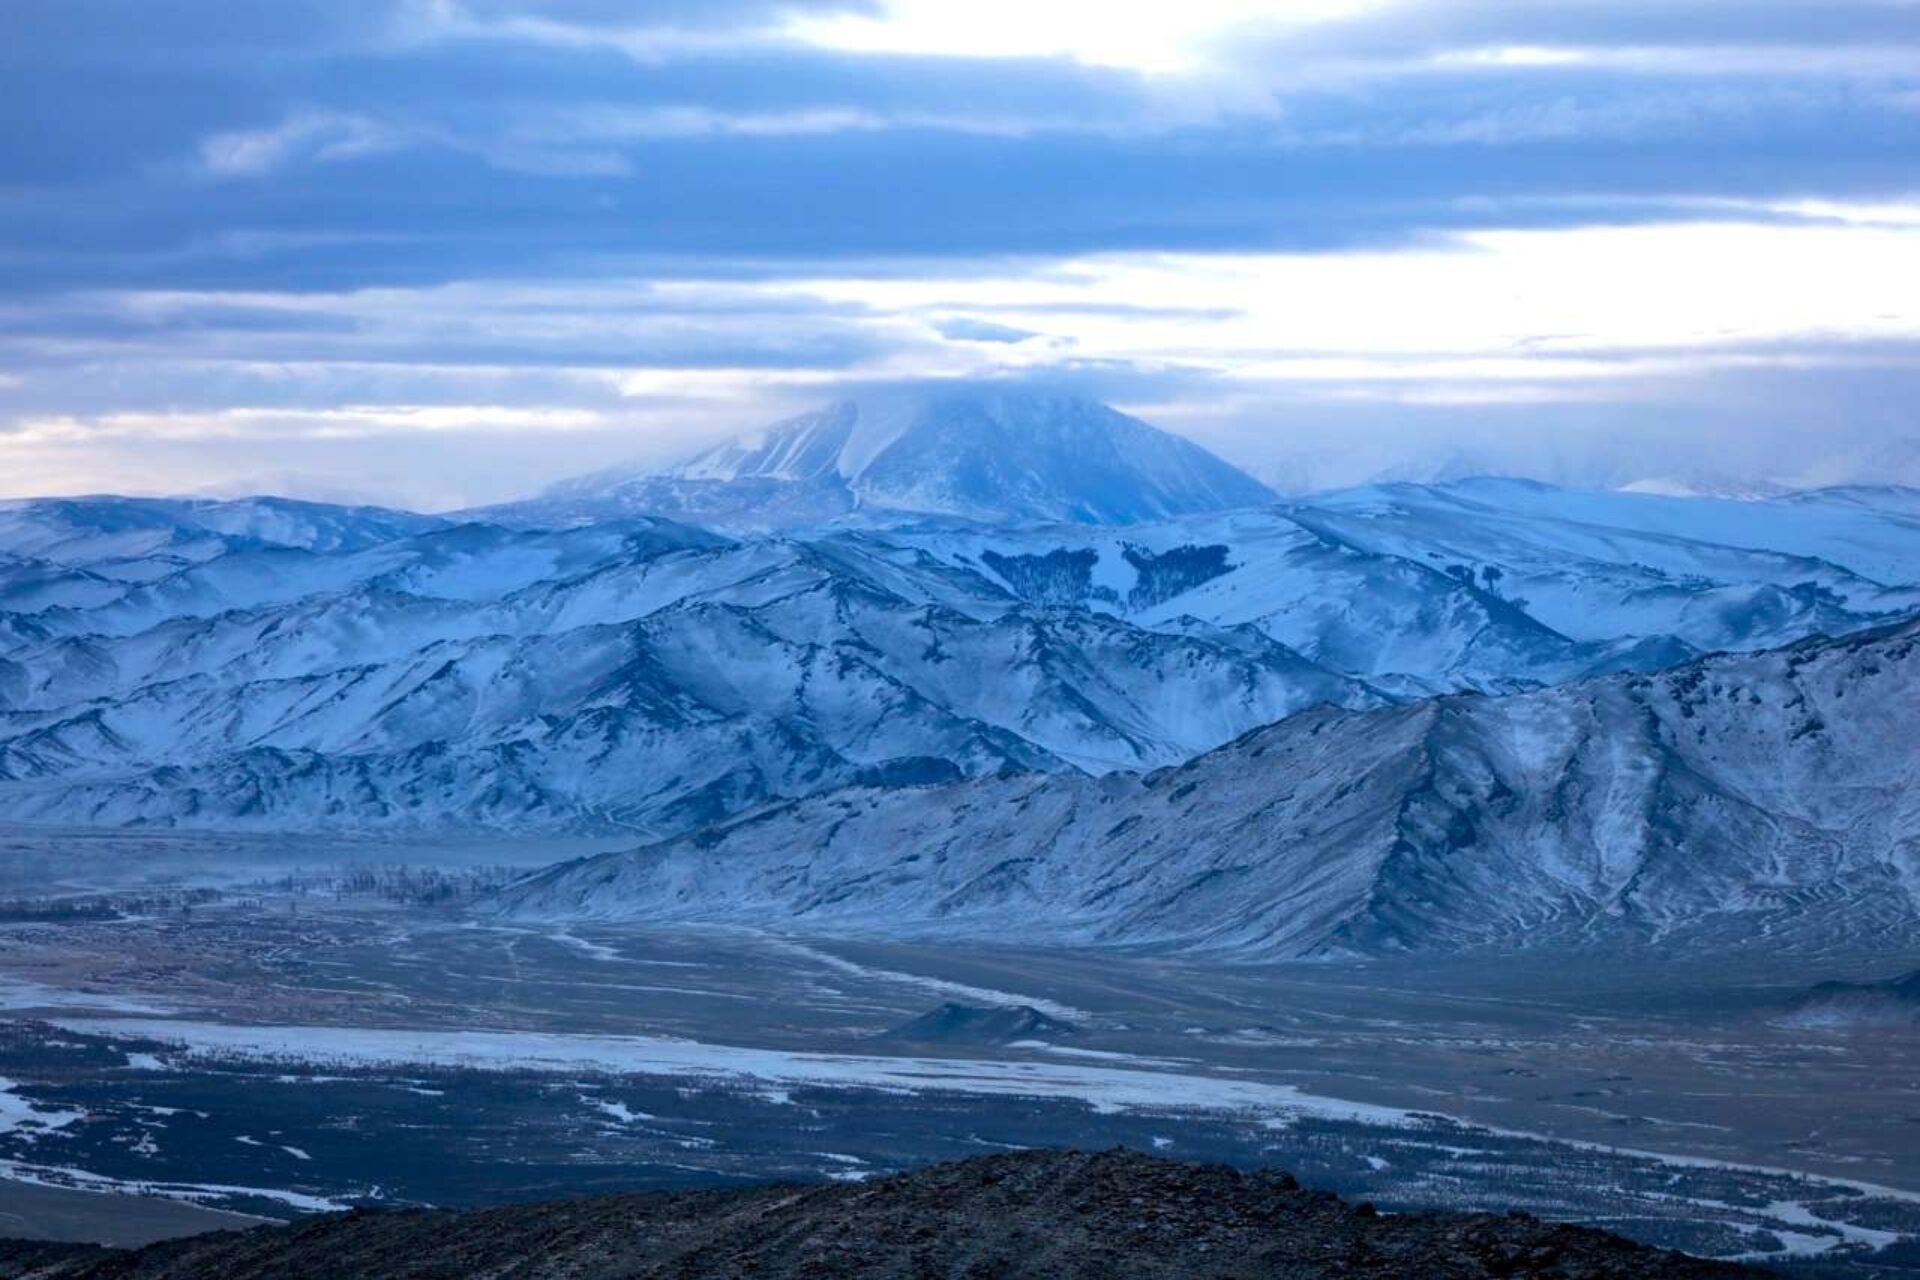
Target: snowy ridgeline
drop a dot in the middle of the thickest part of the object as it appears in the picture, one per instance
(1769, 799)
(283, 665)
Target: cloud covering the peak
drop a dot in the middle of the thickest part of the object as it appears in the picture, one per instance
(443, 251)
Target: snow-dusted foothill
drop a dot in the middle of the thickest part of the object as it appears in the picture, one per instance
(996, 581)
(639, 675)
(1771, 797)
(1484, 584)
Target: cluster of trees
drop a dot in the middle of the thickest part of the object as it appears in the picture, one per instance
(91, 910)
(406, 885)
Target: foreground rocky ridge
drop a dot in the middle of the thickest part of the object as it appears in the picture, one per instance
(1110, 1216)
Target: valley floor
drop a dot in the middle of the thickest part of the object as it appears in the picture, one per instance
(304, 1035)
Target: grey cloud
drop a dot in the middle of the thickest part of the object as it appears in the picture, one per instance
(973, 330)
(1421, 27)
(292, 157)
(683, 14)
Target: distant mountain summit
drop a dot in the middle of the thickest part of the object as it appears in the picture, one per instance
(991, 455)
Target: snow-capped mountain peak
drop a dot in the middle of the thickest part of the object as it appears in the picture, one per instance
(970, 452)
(840, 440)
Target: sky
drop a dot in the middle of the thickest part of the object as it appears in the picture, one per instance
(444, 252)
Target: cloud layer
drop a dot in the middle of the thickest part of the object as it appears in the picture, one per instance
(441, 251)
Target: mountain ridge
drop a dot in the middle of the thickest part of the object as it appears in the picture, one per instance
(653, 679)
(344, 670)
(1735, 796)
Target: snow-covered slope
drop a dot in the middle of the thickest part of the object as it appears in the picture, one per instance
(1709, 573)
(1484, 584)
(471, 563)
(989, 454)
(636, 675)
(1868, 533)
(1764, 799)
(1405, 623)
(1890, 499)
(282, 664)
(81, 552)
(93, 530)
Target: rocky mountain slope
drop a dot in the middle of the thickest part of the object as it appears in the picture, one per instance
(978, 453)
(1771, 797)
(1036, 1214)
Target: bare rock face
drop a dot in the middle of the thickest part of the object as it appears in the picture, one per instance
(1058, 1215)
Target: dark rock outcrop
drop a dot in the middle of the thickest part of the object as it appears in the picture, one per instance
(1058, 1215)
(969, 1024)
